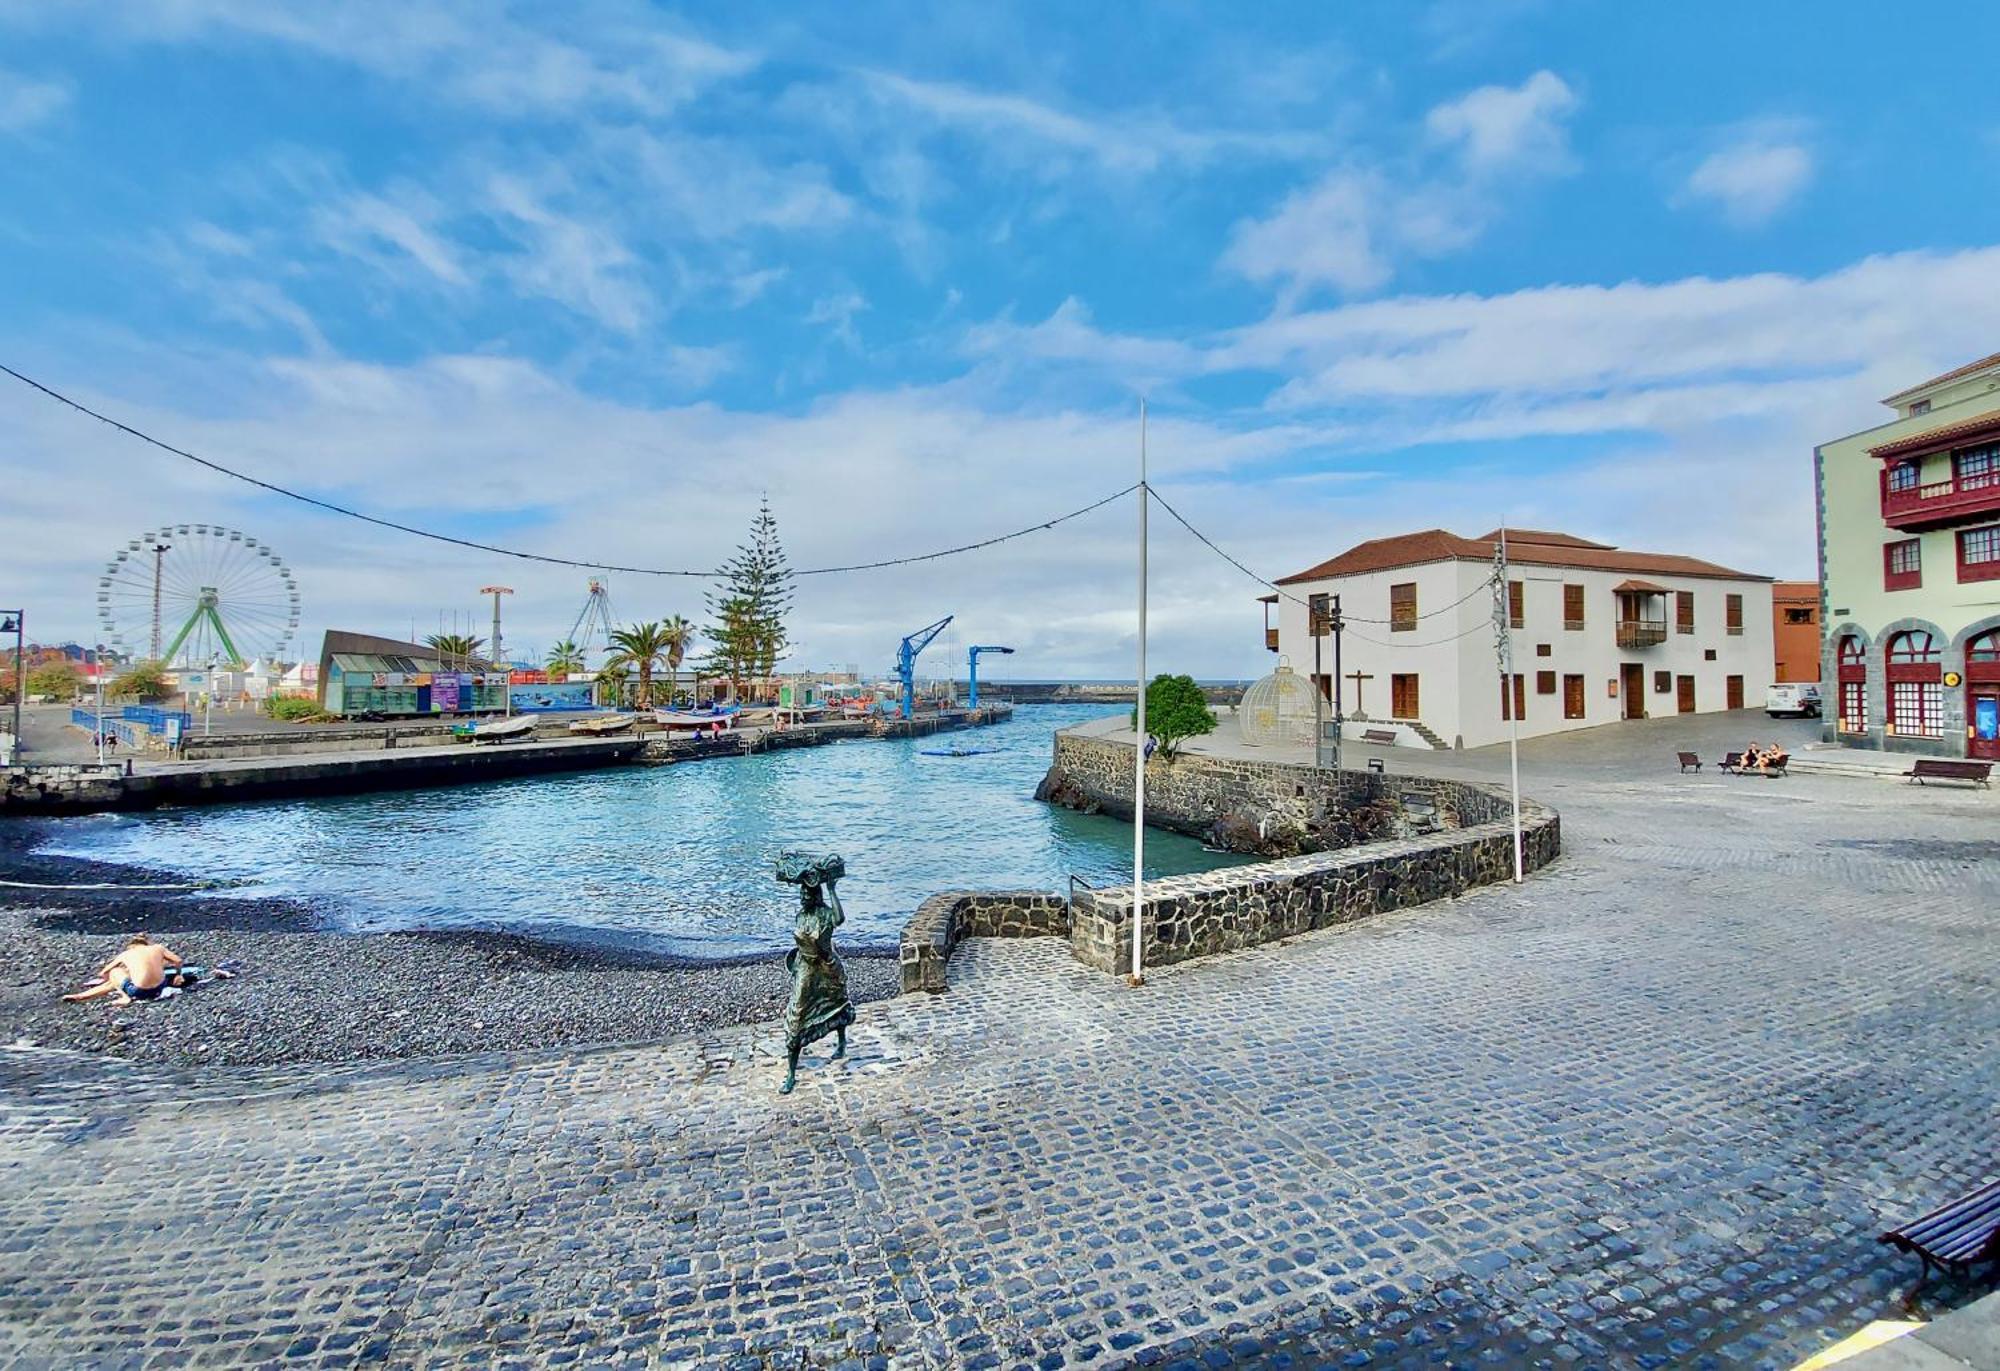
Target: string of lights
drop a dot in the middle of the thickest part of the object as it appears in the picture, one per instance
(434, 536)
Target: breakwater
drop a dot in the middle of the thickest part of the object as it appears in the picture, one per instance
(392, 763)
(1092, 692)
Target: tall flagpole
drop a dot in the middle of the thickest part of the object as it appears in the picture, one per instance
(1139, 736)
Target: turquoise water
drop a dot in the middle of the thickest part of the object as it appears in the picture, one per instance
(673, 859)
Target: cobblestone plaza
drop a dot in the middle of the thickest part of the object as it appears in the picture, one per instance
(1650, 1109)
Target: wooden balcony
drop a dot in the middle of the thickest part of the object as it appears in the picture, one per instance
(1271, 639)
(1961, 499)
(1641, 632)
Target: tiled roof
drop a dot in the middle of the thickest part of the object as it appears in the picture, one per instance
(1558, 550)
(1517, 536)
(1937, 437)
(1952, 375)
(1640, 587)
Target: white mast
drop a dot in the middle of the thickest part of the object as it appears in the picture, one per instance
(1139, 736)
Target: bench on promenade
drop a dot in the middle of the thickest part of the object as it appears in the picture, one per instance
(1733, 764)
(1956, 1237)
(1944, 769)
(1385, 737)
(1690, 762)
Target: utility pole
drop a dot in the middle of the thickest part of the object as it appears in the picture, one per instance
(495, 655)
(13, 620)
(1503, 649)
(159, 551)
(1138, 976)
(1339, 724)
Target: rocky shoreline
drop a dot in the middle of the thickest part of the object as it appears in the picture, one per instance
(307, 993)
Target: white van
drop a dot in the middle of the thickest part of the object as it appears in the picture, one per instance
(1802, 700)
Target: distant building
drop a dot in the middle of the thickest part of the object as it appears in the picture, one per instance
(1599, 634)
(363, 674)
(1795, 630)
(1909, 525)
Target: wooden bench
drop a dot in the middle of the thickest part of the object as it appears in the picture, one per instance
(1732, 763)
(1943, 769)
(1957, 1237)
(1689, 762)
(1384, 737)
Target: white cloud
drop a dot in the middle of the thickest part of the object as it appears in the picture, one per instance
(1500, 128)
(362, 224)
(1349, 229)
(582, 265)
(1752, 180)
(26, 102)
(839, 311)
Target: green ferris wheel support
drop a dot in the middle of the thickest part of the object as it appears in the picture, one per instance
(204, 609)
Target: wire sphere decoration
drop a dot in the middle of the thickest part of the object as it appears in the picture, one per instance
(1277, 711)
(191, 595)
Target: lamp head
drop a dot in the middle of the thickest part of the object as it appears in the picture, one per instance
(10, 624)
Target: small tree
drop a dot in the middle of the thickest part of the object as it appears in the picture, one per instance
(142, 681)
(54, 678)
(1175, 710)
(564, 658)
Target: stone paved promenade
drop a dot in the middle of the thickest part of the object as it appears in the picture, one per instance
(1649, 1110)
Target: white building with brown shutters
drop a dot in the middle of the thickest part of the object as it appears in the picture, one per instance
(1599, 633)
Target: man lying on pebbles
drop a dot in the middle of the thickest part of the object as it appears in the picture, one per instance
(145, 970)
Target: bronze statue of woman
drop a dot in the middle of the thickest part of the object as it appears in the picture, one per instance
(819, 983)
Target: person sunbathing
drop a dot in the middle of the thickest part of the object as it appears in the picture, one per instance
(145, 970)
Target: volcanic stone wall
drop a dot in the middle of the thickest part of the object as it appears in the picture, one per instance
(942, 920)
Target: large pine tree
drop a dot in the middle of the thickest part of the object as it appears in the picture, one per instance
(753, 594)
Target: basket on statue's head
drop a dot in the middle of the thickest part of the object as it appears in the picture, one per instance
(810, 868)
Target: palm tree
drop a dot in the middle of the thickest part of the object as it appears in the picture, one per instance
(564, 658)
(460, 648)
(679, 634)
(641, 646)
(611, 678)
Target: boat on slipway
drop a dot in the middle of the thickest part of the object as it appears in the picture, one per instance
(501, 730)
(602, 725)
(702, 720)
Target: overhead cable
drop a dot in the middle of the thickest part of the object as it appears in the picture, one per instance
(379, 522)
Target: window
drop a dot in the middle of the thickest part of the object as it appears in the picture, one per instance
(1517, 612)
(1919, 407)
(1975, 468)
(1545, 683)
(1732, 615)
(1853, 658)
(1911, 648)
(1916, 709)
(1902, 565)
(1403, 607)
(1708, 654)
(1684, 611)
(1572, 607)
(1983, 649)
(1916, 697)
(1544, 650)
(1572, 697)
(1979, 553)
(1902, 476)
(1798, 616)
(1663, 682)
(1519, 698)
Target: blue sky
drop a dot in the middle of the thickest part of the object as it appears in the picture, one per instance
(593, 280)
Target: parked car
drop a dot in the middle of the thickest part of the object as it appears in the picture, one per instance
(1802, 700)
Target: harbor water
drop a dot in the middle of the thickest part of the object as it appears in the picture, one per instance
(667, 859)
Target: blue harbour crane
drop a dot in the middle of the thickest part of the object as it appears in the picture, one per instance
(972, 671)
(906, 662)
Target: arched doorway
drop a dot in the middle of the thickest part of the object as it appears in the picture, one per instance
(1915, 681)
(1853, 713)
(1982, 696)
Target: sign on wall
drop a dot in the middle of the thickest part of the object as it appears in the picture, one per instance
(551, 697)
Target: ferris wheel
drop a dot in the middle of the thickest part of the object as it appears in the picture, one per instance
(192, 594)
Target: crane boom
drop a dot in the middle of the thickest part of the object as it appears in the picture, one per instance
(906, 662)
(972, 671)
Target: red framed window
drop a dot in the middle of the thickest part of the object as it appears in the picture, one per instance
(1903, 564)
(1572, 607)
(1902, 476)
(1403, 607)
(1979, 553)
(1916, 691)
(1975, 468)
(1853, 670)
(1684, 611)
(1732, 615)
(1517, 608)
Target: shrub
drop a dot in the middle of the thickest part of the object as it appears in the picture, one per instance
(293, 709)
(144, 681)
(1175, 710)
(54, 678)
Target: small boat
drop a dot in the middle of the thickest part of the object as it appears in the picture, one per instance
(687, 718)
(599, 725)
(957, 751)
(500, 730)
